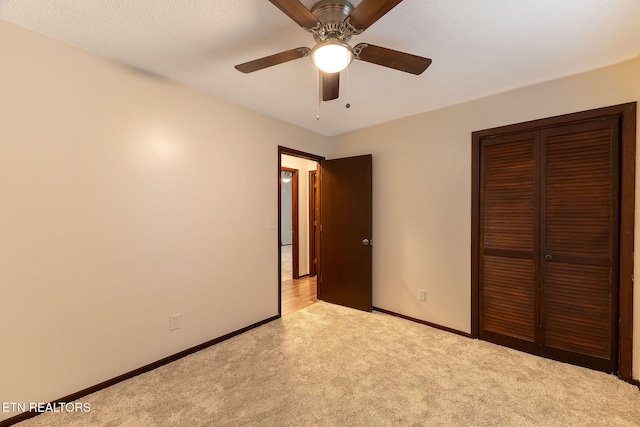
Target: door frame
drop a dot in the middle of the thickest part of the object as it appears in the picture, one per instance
(627, 114)
(314, 216)
(308, 156)
(295, 219)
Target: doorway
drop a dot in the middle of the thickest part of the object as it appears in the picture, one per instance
(298, 202)
(343, 227)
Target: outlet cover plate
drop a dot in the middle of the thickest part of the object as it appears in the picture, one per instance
(174, 322)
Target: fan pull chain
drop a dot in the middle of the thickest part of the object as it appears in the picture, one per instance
(348, 96)
(318, 98)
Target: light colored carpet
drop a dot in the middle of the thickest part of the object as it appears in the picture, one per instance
(327, 365)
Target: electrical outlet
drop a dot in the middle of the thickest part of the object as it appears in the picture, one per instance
(174, 322)
(422, 294)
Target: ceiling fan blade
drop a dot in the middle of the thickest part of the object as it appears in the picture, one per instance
(296, 11)
(268, 61)
(392, 58)
(330, 86)
(369, 11)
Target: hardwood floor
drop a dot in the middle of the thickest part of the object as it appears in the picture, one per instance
(297, 294)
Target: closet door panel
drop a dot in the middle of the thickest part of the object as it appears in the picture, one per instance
(508, 241)
(509, 295)
(579, 240)
(578, 322)
(579, 193)
(508, 194)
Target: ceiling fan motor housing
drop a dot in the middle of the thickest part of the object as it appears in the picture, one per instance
(332, 10)
(333, 23)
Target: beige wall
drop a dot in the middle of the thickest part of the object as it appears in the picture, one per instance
(422, 190)
(125, 198)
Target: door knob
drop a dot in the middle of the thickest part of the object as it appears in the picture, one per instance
(365, 242)
(548, 257)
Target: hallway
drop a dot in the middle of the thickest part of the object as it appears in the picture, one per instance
(296, 294)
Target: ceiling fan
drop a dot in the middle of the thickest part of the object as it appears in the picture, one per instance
(332, 23)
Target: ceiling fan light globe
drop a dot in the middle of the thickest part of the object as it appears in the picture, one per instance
(332, 56)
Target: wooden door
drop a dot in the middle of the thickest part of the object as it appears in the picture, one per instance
(345, 232)
(579, 246)
(548, 241)
(509, 243)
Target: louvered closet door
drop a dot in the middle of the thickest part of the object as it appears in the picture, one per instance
(509, 243)
(579, 230)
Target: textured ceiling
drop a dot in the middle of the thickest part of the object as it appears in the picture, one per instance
(478, 47)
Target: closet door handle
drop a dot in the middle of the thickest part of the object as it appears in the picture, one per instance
(548, 257)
